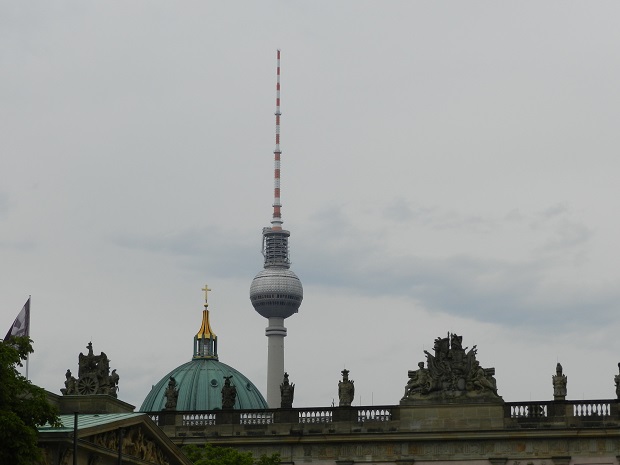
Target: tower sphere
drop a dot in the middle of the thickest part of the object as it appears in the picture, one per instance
(276, 292)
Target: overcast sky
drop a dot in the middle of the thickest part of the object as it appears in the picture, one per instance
(447, 167)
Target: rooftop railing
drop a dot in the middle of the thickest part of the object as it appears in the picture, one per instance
(584, 412)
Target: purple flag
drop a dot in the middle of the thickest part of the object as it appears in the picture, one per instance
(21, 325)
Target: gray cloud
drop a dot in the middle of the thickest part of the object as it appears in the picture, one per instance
(211, 250)
(403, 211)
(503, 292)
(514, 291)
(554, 211)
(567, 235)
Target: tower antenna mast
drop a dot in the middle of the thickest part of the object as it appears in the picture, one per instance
(276, 221)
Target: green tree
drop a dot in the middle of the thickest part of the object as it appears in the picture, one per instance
(273, 459)
(215, 455)
(23, 406)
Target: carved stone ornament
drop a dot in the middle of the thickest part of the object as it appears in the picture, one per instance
(452, 374)
(135, 443)
(94, 376)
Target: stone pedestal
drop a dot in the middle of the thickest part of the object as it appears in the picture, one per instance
(96, 403)
(227, 417)
(286, 416)
(345, 414)
(167, 418)
(452, 417)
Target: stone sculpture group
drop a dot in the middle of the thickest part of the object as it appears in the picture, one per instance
(94, 376)
(451, 373)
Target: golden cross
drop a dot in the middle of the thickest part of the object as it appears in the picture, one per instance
(206, 289)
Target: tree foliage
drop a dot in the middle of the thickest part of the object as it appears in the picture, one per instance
(23, 406)
(215, 455)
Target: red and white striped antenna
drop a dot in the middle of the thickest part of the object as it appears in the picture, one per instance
(276, 222)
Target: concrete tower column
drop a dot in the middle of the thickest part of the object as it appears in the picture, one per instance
(275, 332)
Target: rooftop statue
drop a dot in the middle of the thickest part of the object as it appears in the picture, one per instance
(93, 376)
(287, 391)
(419, 381)
(346, 390)
(70, 384)
(172, 394)
(452, 374)
(559, 383)
(229, 394)
(617, 381)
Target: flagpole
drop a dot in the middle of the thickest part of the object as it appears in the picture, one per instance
(28, 326)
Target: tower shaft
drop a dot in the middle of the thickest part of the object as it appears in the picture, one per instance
(275, 332)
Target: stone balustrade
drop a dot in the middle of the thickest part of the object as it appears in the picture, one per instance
(421, 417)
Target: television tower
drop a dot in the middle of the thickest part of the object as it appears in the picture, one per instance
(276, 292)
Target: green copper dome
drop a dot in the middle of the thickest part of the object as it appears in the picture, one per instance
(200, 384)
(200, 381)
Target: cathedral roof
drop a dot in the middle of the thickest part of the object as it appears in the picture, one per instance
(200, 384)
